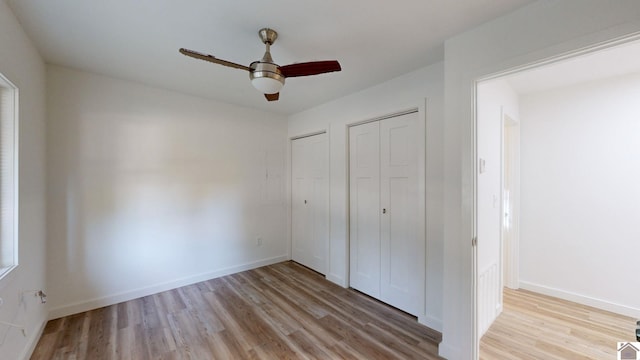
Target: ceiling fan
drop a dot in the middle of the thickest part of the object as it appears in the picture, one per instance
(267, 76)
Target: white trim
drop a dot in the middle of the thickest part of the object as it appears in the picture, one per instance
(422, 201)
(32, 342)
(337, 280)
(566, 55)
(288, 198)
(327, 256)
(323, 131)
(95, 303)
(431, 321)
(449, 351)
(6, 270)
(582, 299)
(386, 116)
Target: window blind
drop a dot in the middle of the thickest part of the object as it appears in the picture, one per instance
(8, 246)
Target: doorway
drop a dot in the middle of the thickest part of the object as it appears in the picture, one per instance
(577, 133)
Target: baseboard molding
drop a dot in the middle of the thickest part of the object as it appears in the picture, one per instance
(448, 351)
(32, 342)
(431, 321)
(336, 280)
(95, 303)
(582, 299)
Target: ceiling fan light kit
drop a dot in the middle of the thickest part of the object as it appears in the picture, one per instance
(265, 75)
(266, 81)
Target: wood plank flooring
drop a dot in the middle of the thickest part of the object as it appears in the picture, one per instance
(282, 311)
(535, 326)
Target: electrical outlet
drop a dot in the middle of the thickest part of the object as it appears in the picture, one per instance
(258, 241)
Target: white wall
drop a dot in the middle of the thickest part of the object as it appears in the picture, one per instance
(150, 189)
(531, 34)
(22, 65)
(495, 98)
(402, 93)
(580, 165)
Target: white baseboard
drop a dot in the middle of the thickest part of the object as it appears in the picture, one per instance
(448, 351)
(95, 303)
(32, 342)
(336, 280)
(431, 321)
(582, 299)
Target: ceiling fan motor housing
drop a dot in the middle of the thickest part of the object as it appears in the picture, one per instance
(262, 77)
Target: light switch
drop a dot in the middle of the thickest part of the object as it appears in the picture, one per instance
(481, 166)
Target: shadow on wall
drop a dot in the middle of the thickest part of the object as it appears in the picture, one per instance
(151, 199)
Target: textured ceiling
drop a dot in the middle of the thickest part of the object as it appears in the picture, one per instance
(139, 40)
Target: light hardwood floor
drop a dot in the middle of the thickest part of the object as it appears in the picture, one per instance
(535, 326)
(282, 311)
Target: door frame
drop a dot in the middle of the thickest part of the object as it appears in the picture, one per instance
(473, 147)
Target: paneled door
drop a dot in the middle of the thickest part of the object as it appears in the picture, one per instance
(310, 201)
(364, 208)
(387, 251)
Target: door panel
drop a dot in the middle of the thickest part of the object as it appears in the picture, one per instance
(318, 206)
(310, 200)
(298, 220)
(319, 225)
(298, 208)
(364, 186)
(403, 253)
(400, 236)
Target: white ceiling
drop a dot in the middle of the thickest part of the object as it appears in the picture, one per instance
(607, 63)
(139, 40)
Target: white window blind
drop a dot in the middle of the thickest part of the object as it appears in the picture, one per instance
(8, 174)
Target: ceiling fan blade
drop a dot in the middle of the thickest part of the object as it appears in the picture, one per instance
(310, 68)
(213, 59)
(272, 97)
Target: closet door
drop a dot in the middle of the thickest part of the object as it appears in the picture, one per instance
(364, 208)
(402, 251)
(310, 201)
(386, 250)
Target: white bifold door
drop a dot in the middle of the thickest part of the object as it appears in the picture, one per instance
(387, 252)
(310, 201)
